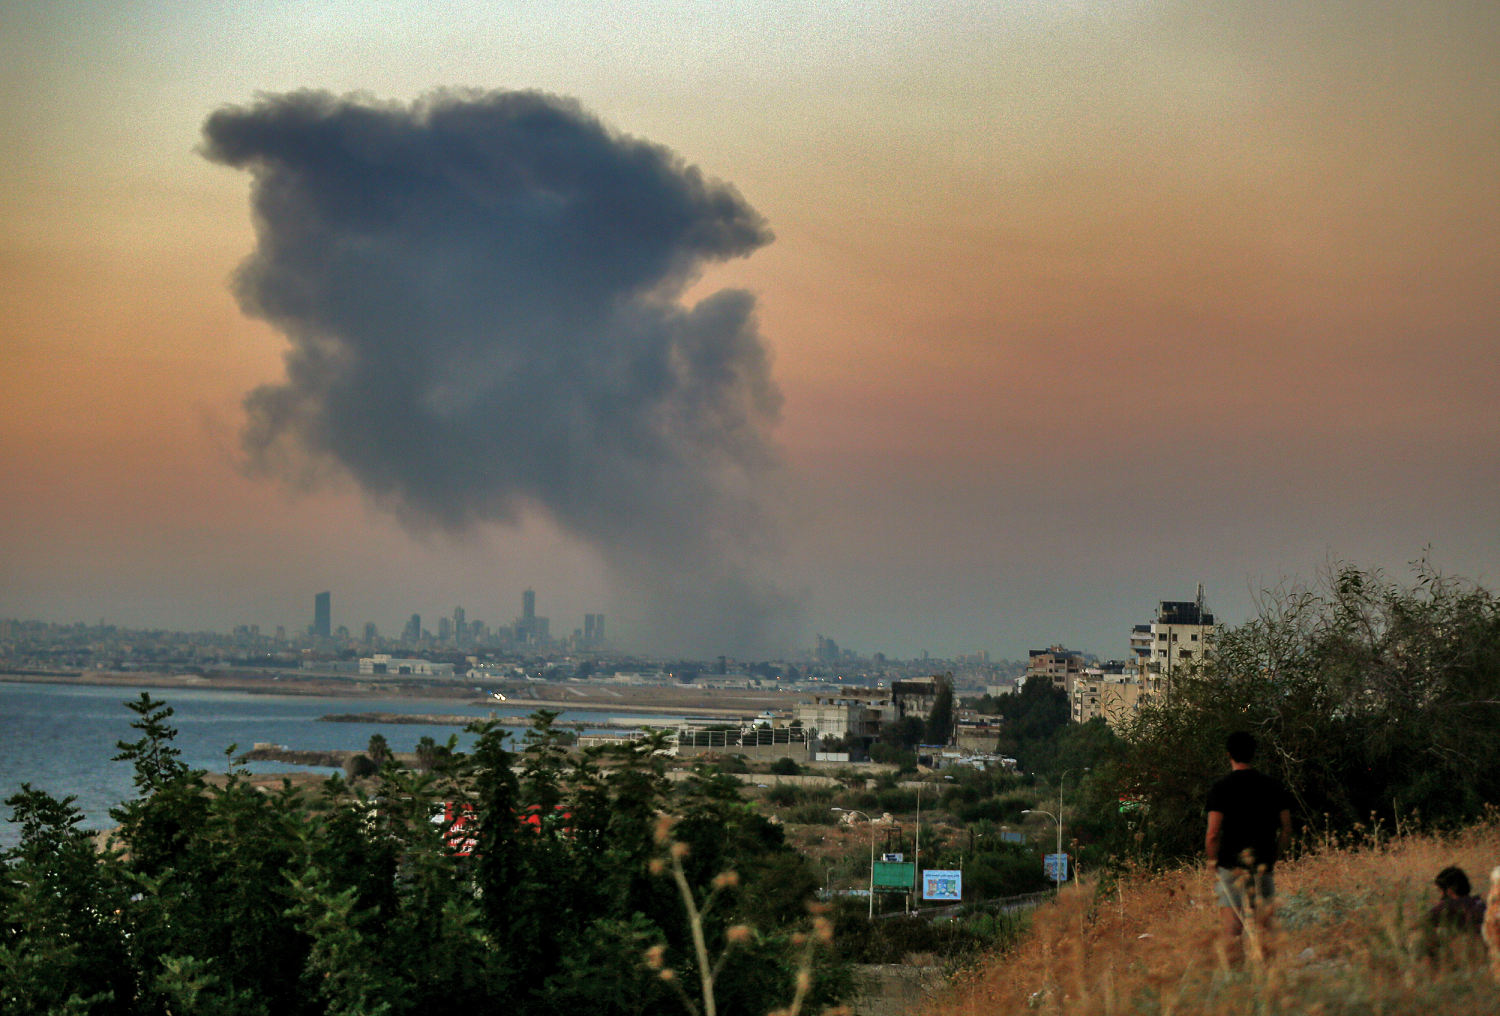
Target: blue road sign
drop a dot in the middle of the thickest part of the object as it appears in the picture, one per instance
(1056, 867)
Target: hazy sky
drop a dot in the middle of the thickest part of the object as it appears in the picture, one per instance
(1070, 306)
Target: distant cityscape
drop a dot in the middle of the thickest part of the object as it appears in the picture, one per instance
(1181, 633)
(457, 631)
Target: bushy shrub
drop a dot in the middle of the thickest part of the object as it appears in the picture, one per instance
(895, 939)
(783, 795)
(896, 801)
(1006, 871)
(359, 766)
(811, 814)
(904, 759)
(994, 809)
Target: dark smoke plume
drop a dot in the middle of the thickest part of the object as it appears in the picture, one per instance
(483, 297)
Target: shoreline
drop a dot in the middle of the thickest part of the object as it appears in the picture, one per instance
(665, 700)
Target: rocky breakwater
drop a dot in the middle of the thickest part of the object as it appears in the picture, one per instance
(263, 752)
(437, 719)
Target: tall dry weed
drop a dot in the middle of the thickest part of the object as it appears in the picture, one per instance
(1350, 937)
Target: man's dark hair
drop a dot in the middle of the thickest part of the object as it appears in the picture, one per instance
(1241, 745)
(1453, 878)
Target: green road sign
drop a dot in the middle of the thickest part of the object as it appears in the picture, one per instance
(894, 876)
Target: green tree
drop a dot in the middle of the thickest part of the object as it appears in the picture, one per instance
(217, 904)
(905, 733)
(157, 760)
(62, 948)
(379, 749)
(235, 902)
(1033, 719)
(940, 720)
(432, 756)
(1367, 697)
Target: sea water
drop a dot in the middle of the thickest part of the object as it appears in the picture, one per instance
(60, 738)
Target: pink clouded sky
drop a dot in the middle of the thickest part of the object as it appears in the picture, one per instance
(1073, 305)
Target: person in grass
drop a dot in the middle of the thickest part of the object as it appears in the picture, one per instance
(1249, 826)
(1455, 922)
(1456, 909)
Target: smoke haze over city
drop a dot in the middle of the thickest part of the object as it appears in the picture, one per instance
(482, 292)
(935, 328)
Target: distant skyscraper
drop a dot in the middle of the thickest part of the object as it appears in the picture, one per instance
(322, 626)
(460, 627)
(529, 627)
(412, 633)
(827, 651)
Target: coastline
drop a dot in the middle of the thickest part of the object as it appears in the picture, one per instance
(596, 696)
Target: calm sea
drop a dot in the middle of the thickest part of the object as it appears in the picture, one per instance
(60, 738)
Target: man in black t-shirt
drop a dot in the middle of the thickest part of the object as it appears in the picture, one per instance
(1249, 824)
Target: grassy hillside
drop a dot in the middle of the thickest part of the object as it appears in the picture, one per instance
(1350, 939)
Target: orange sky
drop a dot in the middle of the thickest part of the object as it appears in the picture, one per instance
(1074, 305)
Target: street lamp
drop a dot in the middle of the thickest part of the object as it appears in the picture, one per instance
(917, 868)
(1060, 781)
(1056, 872)
(851, 811)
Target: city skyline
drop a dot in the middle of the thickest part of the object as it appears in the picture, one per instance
(1064, 308)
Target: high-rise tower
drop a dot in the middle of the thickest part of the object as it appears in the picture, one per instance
(322, 626)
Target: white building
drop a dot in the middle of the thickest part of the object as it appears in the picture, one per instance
(843, 715)
(1112, 692)
(1056, 664)
(1183, 635)
(384, 663)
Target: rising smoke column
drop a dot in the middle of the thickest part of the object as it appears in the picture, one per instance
(482, 292)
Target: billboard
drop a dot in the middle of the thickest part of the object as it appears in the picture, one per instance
(1056, 867)
(894, 876)
(461, 828)
(943, 884)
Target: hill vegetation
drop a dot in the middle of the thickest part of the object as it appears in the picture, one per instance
(1371, 700)
(533, 881)
(548, 880)
(1351, 938)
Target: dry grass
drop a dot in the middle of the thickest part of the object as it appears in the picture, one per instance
(1349, 938)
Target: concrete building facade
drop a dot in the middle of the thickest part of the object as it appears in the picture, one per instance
(1056, 664)
(1183, 635)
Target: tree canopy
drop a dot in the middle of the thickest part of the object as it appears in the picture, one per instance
(1371, 700)
(533, 880)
